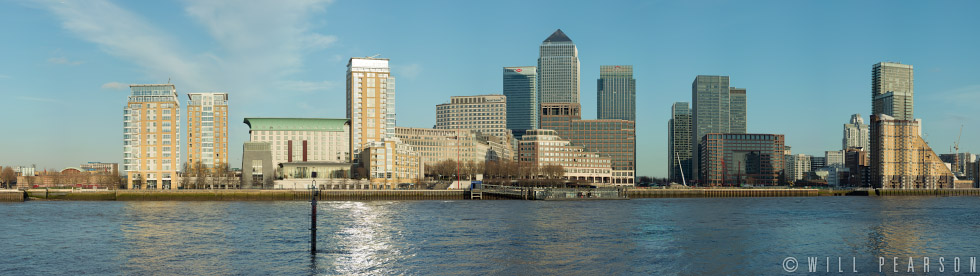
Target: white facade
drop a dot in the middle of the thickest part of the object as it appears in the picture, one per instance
(370, 102)
(797, 165)
(302, 139)
(856, 134)
(834, 158)
(485, 114)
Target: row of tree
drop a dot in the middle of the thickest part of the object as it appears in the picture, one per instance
(198, 176)
(498, 169)
(56, 178)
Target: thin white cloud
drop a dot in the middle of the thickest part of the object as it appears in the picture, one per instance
(63, 60)
(5, 76)
(128, 36)
(115, 85)
(261, 40)
(37, 99)
(259, 45)
(318, 41)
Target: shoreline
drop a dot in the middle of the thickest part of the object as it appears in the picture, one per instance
(302, 195)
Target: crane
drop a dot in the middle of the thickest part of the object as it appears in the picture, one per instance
(957, 144)
(956, 147)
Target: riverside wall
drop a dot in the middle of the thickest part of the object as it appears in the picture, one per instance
(243, 195)
(327, 195)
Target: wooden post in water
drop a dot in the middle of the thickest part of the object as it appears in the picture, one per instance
(313, 193)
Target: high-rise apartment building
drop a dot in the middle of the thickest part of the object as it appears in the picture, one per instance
(207, 129)
(891, 90)
(731, 159)
(370, 102)
(611, 138)
(797, 167)
(856, 134)
(521, 90)
(679, 142)
(900, 159)
(485, 114)
(738, 107)
(558, 70)
(616, 93)
(151, 137)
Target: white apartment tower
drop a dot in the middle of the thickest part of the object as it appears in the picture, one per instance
(856, 134)
(370, 103)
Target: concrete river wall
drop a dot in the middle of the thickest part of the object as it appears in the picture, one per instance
(246, 195)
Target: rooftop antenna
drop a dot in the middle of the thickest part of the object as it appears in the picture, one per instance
(168, 80)
(374, 56)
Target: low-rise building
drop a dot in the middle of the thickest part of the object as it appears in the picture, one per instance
(437, 145)
(258, 171)
(390, 163)
(858, 164)
(100, 167)
(542, 147)
(301, 139)
(736, 159)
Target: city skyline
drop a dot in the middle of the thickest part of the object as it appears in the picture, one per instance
(94, 64)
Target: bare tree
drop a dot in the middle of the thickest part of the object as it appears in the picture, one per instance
(186, 172)
(7, 176)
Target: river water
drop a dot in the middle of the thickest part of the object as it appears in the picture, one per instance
(699, 236)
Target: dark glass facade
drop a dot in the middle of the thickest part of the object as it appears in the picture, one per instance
(616, 93)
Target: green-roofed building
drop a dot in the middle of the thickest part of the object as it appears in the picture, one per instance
(298, 140)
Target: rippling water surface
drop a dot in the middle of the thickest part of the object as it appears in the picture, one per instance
(632, 237)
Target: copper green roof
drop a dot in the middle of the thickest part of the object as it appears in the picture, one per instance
(301, 124)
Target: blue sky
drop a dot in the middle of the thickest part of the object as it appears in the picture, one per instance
(65, 65)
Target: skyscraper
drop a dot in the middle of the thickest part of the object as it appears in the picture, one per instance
(151, 137)
(370, 102)
(679, 142)
(738, 112)
(711, 112)
(856, 134)
(521, 90)
(207, 129)
(891, 90)
(616, 93)
(558, 70)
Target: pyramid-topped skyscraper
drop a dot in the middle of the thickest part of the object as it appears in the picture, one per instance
(558, 70)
